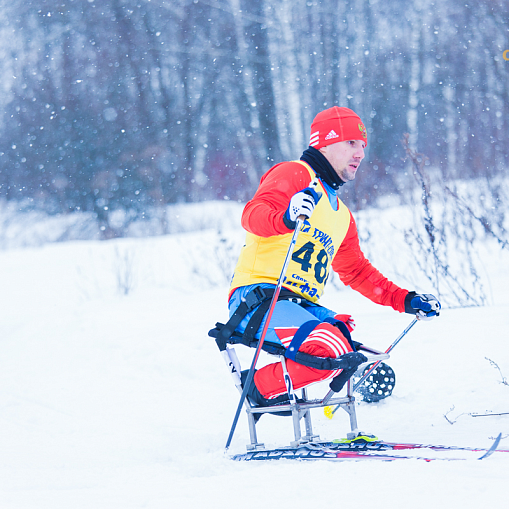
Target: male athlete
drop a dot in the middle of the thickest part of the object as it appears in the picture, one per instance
(328, 239)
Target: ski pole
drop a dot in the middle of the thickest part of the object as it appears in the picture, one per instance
(396, 341)
(298, 225)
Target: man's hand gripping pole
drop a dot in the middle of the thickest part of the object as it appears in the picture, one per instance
(249, 380)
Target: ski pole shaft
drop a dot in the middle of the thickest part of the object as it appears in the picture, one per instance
(250, 376)
(400, 337)
(391, 347)
(249, 380)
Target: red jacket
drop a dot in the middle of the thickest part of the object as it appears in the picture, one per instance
(263, 216)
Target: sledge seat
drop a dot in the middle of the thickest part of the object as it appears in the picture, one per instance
(296, 408)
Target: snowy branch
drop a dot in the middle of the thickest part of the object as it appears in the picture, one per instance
(496, 366)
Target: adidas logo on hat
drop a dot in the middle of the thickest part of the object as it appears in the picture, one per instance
(331, 135)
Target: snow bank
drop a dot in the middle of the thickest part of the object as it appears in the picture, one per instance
(112, 395)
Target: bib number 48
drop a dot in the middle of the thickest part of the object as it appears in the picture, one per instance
(303, 257)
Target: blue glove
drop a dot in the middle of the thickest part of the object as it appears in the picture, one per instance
(301, 204)
(423, 306)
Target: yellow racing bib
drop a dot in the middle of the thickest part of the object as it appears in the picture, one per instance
(262, 258)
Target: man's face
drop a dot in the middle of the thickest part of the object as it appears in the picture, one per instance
(345, 157)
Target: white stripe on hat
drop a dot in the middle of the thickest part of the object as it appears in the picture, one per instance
(314, 139)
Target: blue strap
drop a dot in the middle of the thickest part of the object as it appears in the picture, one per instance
(302, 333)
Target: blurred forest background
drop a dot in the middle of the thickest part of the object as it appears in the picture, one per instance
(132, 105)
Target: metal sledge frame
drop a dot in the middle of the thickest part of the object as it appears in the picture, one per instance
(299, 408)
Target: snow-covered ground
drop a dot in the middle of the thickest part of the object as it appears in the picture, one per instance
(113, 396)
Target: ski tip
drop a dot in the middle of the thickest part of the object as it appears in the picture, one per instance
(493, 448)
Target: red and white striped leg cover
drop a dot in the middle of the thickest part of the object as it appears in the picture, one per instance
(324, 340)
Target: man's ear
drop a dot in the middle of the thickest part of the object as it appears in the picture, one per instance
(323, 150)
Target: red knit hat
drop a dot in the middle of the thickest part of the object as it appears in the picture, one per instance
(336, 124)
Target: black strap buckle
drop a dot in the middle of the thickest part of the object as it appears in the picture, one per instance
(254, 298)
